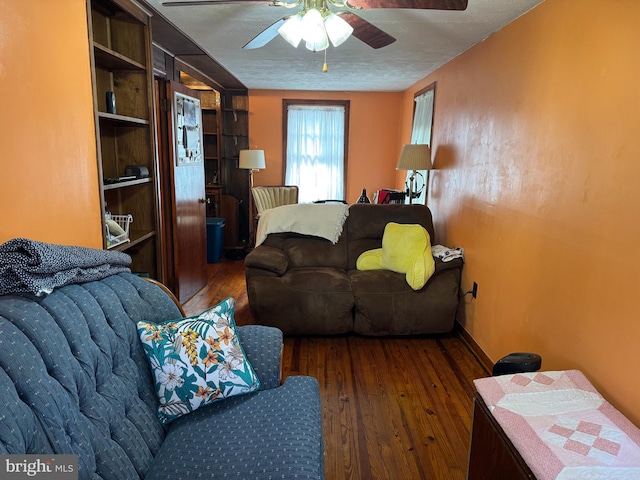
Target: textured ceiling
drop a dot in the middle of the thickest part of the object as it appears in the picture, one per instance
(426, 39)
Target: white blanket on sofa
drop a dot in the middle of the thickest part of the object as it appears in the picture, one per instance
(317, 219)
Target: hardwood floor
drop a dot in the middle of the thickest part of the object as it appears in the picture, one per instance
(392, 408)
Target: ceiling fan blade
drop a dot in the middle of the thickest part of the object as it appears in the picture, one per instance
(420, 4)
(266, 35)
(367, 32)
(193, 3)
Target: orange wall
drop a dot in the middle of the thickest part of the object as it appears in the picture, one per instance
(49, 180)
(537, 150)
(373, 147)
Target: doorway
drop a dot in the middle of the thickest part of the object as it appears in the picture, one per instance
(181, 159)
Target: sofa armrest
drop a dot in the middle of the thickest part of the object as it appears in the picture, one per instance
(441, 266)
(268, 258)
(263, 347)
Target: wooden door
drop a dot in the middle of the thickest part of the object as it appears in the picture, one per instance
(188, 190)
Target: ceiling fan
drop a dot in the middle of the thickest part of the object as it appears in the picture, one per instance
(317, 24)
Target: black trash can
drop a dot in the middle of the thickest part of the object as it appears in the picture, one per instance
(519, 362)
(215, 239)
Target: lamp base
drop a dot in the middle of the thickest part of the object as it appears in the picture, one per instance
(412, 180)
(252, 216)
(414, 192)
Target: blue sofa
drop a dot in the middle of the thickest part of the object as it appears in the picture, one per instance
(74, 379)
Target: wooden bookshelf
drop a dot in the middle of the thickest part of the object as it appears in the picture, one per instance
(120, 39)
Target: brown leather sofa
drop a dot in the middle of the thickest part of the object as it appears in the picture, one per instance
(307, 285)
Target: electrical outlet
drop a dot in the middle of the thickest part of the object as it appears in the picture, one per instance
(474, 291)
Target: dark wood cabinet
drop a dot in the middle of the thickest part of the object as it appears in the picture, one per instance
(120, 39)
(492, 456)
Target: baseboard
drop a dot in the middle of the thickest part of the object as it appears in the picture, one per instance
(475, 349)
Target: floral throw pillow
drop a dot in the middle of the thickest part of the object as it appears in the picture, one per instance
(197, 360)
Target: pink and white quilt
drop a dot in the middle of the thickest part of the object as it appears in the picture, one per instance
(562, 427)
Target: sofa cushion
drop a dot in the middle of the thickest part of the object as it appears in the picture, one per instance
(274, 434)
(305, 251)
(299, 302)
(196, 360)
(268, 258)
(263, 347)
(386, 305)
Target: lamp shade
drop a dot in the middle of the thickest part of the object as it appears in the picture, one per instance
(291, 30)
(337, 28)
(415, 157)
(313, 31)
(251, 159)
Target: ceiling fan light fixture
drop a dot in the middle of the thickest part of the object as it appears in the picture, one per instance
(337, 29)
(318, 46)
(292, 29)
(313, 31)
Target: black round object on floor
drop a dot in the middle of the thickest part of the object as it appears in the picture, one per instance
(518, 362)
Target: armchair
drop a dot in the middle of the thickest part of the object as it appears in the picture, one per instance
(271, 197)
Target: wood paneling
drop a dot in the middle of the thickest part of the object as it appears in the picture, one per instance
(392, 408)
(180, 45)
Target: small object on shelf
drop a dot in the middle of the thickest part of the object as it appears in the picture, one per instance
(363, 197)
(385, 196)
(111, 102)
(124, 178)
(137, 171)
(117, 227)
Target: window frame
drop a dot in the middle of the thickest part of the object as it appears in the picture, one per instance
(419, 93)
(285, 124)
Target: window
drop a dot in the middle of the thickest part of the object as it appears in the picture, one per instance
(316, 148)
(421, 133)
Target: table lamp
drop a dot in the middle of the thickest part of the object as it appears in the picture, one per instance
(414, 157)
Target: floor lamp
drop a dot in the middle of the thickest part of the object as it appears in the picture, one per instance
(252, 160)
(415, 157)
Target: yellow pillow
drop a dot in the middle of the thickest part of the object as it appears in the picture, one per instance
(420, 271)
(370, 260)
(405, 249)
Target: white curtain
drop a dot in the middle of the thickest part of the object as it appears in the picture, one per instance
(315, 151)
(421, 133)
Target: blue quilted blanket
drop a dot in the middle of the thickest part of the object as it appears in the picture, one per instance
(29, 266)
